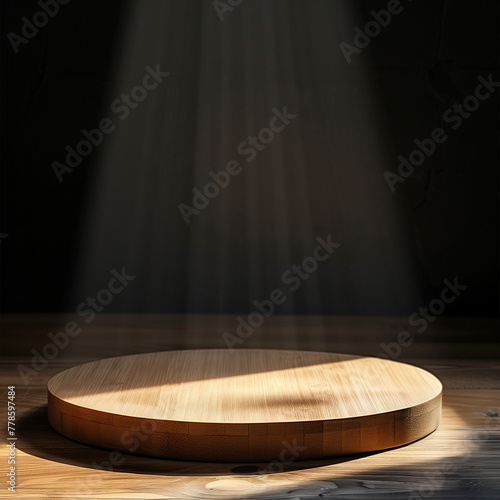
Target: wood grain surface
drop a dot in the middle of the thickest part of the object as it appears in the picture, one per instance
(459, 460)
(241, 405)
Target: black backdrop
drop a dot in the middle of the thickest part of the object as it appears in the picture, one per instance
(443, 219)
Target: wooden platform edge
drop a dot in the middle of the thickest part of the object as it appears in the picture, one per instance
(234, 442)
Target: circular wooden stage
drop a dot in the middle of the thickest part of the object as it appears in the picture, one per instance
(245, 405)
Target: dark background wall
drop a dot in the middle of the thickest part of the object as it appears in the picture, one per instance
(323, 175)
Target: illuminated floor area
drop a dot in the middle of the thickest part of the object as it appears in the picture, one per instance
(458, 460)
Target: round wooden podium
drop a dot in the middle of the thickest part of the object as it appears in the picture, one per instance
(245, 405)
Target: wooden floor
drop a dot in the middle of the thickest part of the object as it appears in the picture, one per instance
(460, 460)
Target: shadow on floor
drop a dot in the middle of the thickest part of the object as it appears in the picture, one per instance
(456, 477)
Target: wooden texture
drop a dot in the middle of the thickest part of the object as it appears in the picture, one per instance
(245, 405)
(459, 460)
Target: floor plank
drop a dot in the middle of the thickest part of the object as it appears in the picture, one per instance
(459, 460)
